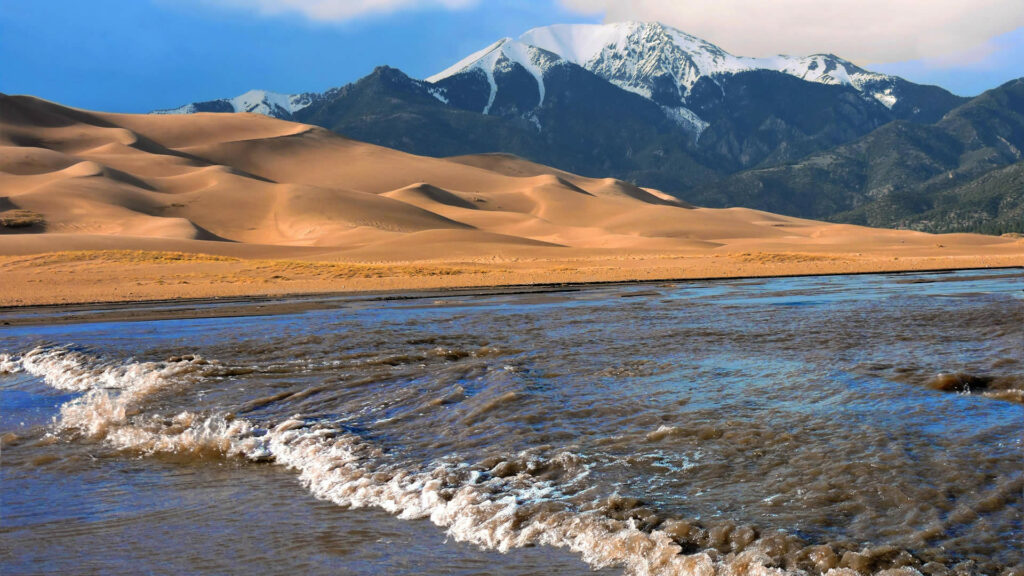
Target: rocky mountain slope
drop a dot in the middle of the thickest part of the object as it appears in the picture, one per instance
(923, 176)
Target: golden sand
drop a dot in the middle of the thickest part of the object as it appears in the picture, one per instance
(124, 276)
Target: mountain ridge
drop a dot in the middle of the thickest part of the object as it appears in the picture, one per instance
(636, 56)
(655, 106)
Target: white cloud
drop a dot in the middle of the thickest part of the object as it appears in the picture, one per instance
(865, 31)
(339, 10)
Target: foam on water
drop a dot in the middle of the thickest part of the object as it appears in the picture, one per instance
(112, 392)
(520, 500)
(9, 365)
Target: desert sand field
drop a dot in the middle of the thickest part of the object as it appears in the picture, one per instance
(98, 207)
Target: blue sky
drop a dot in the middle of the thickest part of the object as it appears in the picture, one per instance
(977, 73)
(140, 55)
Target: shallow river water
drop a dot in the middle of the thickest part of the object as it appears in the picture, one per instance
(853, 424)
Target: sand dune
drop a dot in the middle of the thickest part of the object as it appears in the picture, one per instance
(253, 179)
(253, 186)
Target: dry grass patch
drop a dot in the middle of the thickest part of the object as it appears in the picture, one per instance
(20, 219)
(259, 270)
(781, 257)
(293, 269)
(112, 257)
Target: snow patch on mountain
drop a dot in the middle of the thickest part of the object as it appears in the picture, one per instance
(440, 93)
(532, 119)
(483, 61)
(261, 102)
(830, 69)
(886, 98)
(687, 120)
(501, 57)
(186, 109)
(526, 57)
(471, 61)
(578, 43)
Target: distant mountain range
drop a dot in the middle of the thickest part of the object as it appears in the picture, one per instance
(812, 136)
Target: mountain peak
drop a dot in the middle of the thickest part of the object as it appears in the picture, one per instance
(514, 51)
(389, 73)
(500, 58)
(664, 63)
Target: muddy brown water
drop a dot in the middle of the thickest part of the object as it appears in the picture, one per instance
(852, 424)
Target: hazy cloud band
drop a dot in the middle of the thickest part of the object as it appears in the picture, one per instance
(866, 31)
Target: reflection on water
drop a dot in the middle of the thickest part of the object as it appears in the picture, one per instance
(796, 425)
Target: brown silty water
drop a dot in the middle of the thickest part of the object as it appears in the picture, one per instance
(831, 425)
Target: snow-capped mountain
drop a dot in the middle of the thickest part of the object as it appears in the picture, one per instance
(502, 59)
(684, 75)
(657, 61)
(254, 101)
(636, 100)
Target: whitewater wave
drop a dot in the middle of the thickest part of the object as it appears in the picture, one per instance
(504, 503)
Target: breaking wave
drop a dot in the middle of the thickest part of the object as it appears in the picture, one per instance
(506, 502)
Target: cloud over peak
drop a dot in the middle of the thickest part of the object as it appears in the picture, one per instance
(866, 31)
(943, 33)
